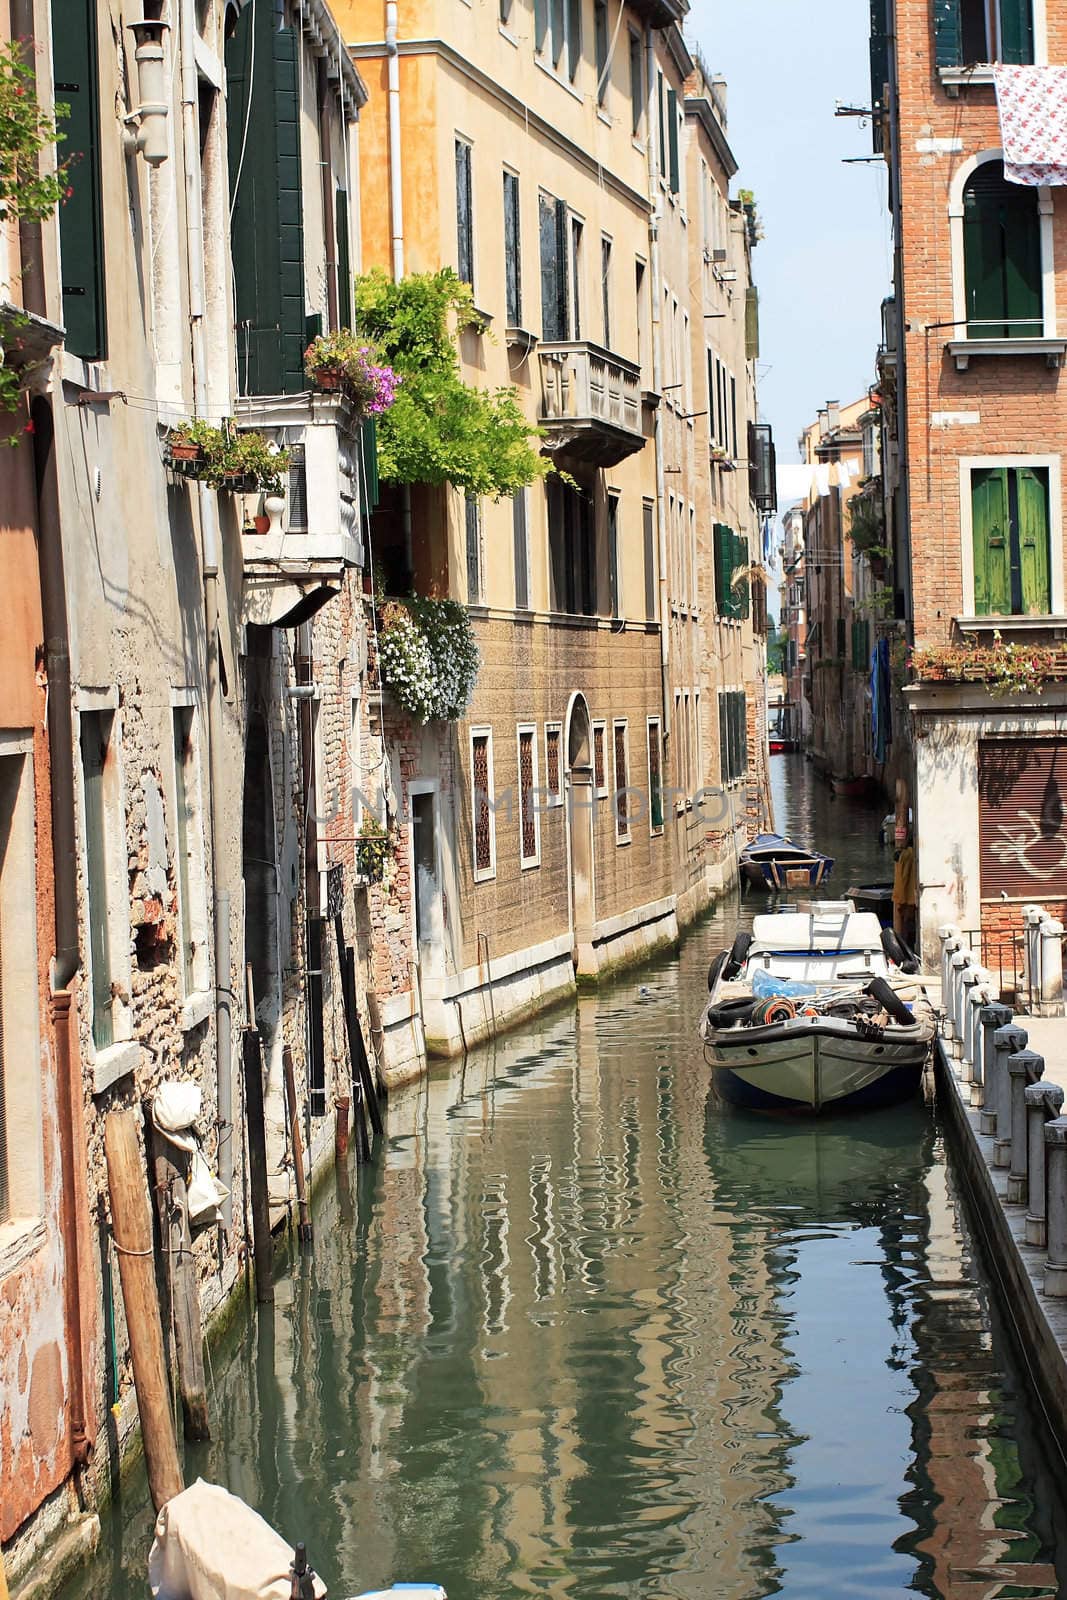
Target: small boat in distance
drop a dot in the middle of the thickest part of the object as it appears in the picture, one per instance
(774, 862)
(814, 1011)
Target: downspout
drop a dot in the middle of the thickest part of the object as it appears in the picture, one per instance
(209, 538)
(396, 213)
(657, 377)
(73, 1200)
(326, 166)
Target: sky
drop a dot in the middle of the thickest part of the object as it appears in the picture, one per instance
(824, 263)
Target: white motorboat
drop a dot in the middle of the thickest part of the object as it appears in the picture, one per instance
(816, 1010)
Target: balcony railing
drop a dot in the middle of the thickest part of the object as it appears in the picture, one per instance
(590, 404)
(295, 566)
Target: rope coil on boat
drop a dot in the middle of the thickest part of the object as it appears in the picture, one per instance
(777, 1009)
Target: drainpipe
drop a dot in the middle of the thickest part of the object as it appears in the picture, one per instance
(326, 166)
(396, 187)
(657, 378)
(73, 1203)
(209, 539)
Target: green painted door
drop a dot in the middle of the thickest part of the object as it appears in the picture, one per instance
(1033, 524)
(992, 542)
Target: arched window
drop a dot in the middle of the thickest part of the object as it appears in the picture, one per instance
(1001, 257)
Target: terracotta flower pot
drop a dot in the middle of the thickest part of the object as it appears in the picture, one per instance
(262, 523)
(329, 378)
(184, 450)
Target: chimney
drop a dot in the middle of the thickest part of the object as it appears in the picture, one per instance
(833, 416)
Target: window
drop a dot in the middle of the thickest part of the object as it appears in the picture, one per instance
(558, 32)
(576, 276)
(731, 559)
(600, 39)
(189, 849)
(105, 872)
(81, 232)
(464, 213)
(505, 10)
(529, 814)
(483, 820)
(512, 251)
(605, 287)
(637, 82)
(622, 782)
(971, 32)
(655, 776)
(672, 172)
(600, 759)
(1001, 257)
(1010, 541)
(472, 509)
(649, 531)
(644, 341)
(571, 550)
(555, 321)
(521, 547)
(553, 770)
(661, 108)
(20, 1072)
(613, 555)
(733, 735)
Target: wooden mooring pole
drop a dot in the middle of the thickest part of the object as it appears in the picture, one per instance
(131, 1226)
(303, 1226)
(262, 1243)
(182, 1288)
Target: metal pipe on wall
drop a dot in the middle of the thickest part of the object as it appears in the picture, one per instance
(657, 377)
(396, 186)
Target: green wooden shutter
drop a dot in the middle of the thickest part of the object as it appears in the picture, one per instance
(368, 443)
(540, 24)
(948, 37)
(267, 231)
(1001, 257)
(1016, 32)
(672, 138)
(721, 536)
(81, 232)
(744, 588)
(344, 263)
(751, 323)
(1022, 262)
(879, 58)
(991, 538)
(1032, 486)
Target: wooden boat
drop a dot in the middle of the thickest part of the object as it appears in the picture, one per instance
(812, 1012)
(779, 746)
(774, 862)
(876, 897)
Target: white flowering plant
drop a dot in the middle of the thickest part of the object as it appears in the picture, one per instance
(428, 657)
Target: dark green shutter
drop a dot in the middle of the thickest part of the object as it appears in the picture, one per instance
(368, 443)
(267, 230)
(1001, 257)
(1016, 32)
(344, 263)
(948, 38)
(743, 592)
(751, 323)
(95, 730)
(672, 138)
(991, 537)
(464, 213)
(1032, 485)
(540, 24)
(81, 235)
(721, 537)
(879, 56)
(724, 760)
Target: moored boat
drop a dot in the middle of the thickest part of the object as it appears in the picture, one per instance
(812, 1012)
(773, 862)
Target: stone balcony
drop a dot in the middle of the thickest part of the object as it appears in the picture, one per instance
(295, 567)
(590, 403)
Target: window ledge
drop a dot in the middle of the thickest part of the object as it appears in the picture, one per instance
(20, 1238)
(556, 77)
(1048, 628)
(517, 338)
(953, 79)
(962, 350)
(196, 1009)
(116, 1062)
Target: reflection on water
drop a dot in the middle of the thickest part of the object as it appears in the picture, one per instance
(582, 1333)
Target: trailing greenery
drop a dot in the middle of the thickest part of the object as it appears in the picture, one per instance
(227, 457)
(373, 846)
(428, 657)
(1004, 668)
(440, 429)
(867, 524)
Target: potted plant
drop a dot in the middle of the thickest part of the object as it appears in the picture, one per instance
(344, 361)
(192, 441)
(246, 462)
(372, 849)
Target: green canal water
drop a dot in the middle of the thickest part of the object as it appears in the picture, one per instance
(581, 1332)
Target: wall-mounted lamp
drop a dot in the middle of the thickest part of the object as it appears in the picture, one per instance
(151, 114)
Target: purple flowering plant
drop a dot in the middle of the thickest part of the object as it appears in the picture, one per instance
(343, 360)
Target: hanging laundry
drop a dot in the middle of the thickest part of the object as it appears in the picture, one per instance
(821, 478)
(1032, 103)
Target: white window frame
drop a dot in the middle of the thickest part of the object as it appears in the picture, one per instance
(967, 464)
(657, 723)
(483, 874)
(554, 800)
(121, 1057)
(960, 178)
(197, 1000)
(529, 728)
(20, 979)
(609, 757)
(624, 724)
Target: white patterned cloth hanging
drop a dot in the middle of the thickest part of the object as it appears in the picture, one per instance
(1032, 102)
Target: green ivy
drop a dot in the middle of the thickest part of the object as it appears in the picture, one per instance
(440, 429)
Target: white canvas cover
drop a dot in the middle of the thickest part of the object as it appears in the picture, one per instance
(210, 1546)
(790, 930)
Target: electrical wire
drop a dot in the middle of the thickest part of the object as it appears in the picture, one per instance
(248, 108)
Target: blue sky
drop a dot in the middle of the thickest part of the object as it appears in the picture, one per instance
(825, 261)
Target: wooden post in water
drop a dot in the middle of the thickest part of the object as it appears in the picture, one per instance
(182, 1287)
(359, 1049)
(303, 1227)
(359, 1125)
(262, 1243)
(131, 1226)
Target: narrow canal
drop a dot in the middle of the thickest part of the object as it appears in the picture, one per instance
(580, 1332)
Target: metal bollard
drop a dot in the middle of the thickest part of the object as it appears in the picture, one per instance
(982, 994)
(1006, 1042)
(959, 963)
(1032, 918)
(1024, 1068)
(1043, 1102)
(1050, 942)
(951, 941)
(971, 983)
(991, 1017)
(1056, 1206)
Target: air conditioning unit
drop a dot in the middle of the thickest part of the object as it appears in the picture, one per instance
(718, 255)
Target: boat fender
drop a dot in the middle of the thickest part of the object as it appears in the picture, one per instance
(738, 953)
(728, 1012)
(898, 952)
(717, 970)
(887, 998)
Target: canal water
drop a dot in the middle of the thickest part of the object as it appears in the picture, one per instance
(581, 1332)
